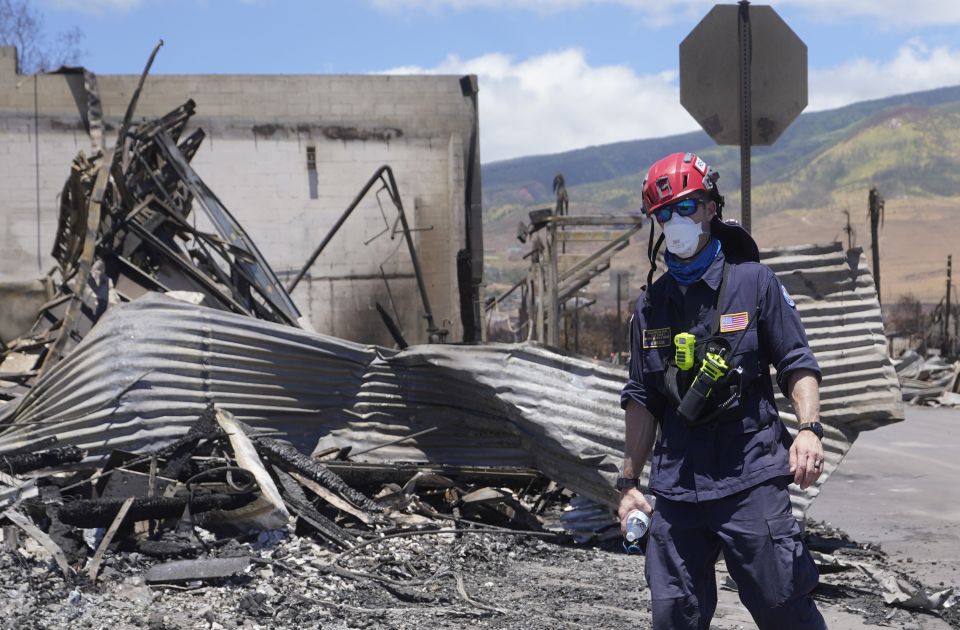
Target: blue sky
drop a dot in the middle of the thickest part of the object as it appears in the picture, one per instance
(554, 74)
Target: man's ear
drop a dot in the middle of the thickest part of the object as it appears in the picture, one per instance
(711, 206)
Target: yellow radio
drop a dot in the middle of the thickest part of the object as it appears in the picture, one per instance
(684, 350)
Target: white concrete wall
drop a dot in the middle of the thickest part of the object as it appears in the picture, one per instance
(254, 158)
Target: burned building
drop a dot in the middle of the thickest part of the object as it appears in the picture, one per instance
(287, 155)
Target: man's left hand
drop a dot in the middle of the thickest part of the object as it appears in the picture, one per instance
(806, 459)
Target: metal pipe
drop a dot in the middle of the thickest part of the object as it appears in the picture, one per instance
(435, 334)
(36, 159)
(336, 227)
(390, 183)
(396, 441)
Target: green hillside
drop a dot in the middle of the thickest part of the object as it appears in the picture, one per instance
(905, 145)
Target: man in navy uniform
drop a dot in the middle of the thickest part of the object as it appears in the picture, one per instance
(723, 459)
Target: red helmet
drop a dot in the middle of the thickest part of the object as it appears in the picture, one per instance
(677, 176)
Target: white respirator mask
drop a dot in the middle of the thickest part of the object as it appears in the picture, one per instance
(682, 235)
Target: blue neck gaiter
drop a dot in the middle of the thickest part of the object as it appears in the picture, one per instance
(686, 272)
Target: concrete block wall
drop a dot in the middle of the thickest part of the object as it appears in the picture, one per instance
(254, 158)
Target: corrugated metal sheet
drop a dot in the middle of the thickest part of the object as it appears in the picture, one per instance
(148, 368)
(143, 374)
(837, 301)
(574, 403)
(495, 404)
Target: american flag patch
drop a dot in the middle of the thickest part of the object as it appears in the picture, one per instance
(733, 322)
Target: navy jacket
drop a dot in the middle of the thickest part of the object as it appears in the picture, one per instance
(751, 444)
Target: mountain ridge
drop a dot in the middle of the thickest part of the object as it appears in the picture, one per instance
(525, 180)
(805, 189)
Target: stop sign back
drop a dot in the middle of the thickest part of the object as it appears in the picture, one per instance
(710, 74)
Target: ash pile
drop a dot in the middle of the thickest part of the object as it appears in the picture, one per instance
(228, 505)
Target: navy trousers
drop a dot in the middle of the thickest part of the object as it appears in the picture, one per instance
(760, 541)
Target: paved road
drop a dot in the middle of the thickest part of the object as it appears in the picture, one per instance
(899, 486)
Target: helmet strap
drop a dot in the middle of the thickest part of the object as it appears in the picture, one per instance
(652, 256)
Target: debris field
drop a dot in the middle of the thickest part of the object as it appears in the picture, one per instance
(178, 449)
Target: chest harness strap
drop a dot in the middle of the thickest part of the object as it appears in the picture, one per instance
(716, 377)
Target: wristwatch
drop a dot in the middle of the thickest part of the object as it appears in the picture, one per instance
(815, 427)
(625, 483)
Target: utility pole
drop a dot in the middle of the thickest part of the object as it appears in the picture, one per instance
(849, 231)
(876, 220)
(616, 347)
(576, 324)
(947, 346)
(553, 279)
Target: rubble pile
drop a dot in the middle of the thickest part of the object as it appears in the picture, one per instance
(930, 381)
(227, 504)
(444, 581)
(428, 572)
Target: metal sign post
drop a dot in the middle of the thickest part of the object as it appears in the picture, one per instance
(743, 28)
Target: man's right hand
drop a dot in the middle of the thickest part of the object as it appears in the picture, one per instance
(631, 500)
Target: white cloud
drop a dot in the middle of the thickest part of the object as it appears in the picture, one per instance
(95, 6)
(890, 12)
(557, 101)
(915, 67)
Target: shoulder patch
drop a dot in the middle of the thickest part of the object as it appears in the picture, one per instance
(787, 298)
(656, 337)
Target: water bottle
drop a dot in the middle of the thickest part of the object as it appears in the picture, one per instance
(637, 524)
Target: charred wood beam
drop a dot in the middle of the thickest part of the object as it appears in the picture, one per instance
(16, 464)
(288, 458)
(169, 548)
(178, 454)
(363, 474)
(107, 538)
(101, 512)
(36, 445)
(297, 502)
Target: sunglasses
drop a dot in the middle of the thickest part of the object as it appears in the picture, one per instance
(684, 208)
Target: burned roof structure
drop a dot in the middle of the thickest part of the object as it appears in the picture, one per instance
(126, 228)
